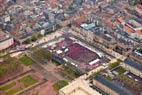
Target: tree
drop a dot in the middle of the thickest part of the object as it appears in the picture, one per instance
(42, 54)
(33, 38)
(28, 41)
(60, 84)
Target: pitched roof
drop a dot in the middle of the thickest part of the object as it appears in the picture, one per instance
(113, 86)
(133, 64)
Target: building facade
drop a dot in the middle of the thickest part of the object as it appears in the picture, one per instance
(133, 67)
(5, 40)
(78, 87)
(109, 87)
(6, 43)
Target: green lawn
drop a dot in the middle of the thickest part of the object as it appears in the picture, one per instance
(113, 65)
(26, 60)
(108, 78)
(59, 84)
(7, 86)
(120, 70)
(28, 80)
(13, 91)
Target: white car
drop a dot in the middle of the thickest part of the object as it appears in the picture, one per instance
(126, 73)
(129, 76)
(136, 80)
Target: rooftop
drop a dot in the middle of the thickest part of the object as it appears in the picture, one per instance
(134, 24)
(133, 64)
(3, 36)
(139, 6)
(88, 26)
(113, 86)
(79, 87)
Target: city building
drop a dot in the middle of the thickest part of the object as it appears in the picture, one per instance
(133, 67)
(93, 31)
(138, 9)
(136, 54)
(5, 41)
(109, 87)
(78, 87)
(132, 26)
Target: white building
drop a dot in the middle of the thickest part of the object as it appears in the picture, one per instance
(5, 40)
(78, 87)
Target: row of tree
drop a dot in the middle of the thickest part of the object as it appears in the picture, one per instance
(41, 55)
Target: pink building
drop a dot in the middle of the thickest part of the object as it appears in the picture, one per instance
(138, 8)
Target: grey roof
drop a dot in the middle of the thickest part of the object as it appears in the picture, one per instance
(107, 38)
(133, 64)
(60, 16)
(113, 86)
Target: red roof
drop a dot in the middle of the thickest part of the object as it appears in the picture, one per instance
(121, 20)
(139, 6)
(128, 29)
(80, 20)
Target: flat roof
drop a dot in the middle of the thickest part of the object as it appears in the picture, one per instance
(79, 92)
(111, 85)
(134, 23)
(133, 64)
(79, 87)
(87, 26)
